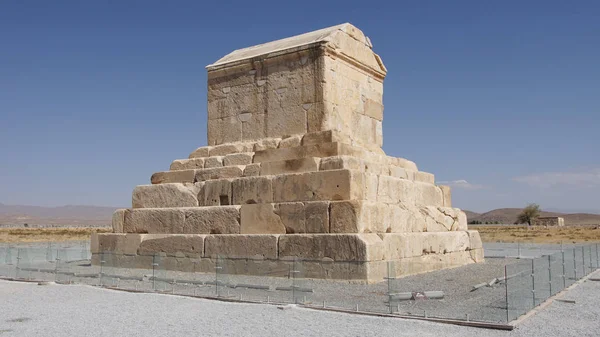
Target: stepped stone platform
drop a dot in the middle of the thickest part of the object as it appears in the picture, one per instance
(294, 169)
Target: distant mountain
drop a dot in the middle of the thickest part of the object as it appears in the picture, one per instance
(71, 215)
(509, 216)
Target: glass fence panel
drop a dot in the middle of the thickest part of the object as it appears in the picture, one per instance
(519, 288)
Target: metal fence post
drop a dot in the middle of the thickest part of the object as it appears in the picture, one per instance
(564, 277)
(583, 260)
(550, 274)
(506, 293)
(533, 281)
(575, 262)
(597, 257)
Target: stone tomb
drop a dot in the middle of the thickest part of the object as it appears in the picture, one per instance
(294, 169)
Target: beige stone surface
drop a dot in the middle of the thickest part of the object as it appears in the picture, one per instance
(225, 149)
(252, 170)
(341, 162)
(215, 193)
(220, 173)
(266, 144)
(118, 218)
(252, 190)
(212, 220)
(321, 185)
(189, 245)
(328, 136)
(260, 219)
(115, 243)
(154, 220)
(187, 164)
(317, 150)
(337, 247)
(200, 152)
(424, 177)
(291, 141)
(238, 159)
(447, 195)
(262, 246)
(213, 162)
(304, 217)
(308, 164)
(183, 176)
(427, 194)
(164, 195)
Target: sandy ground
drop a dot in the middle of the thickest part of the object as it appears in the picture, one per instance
(538, 234)
(55, 310)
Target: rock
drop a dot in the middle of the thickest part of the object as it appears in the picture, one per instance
(260, 219)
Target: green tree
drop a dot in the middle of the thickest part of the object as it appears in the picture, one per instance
(529, 214)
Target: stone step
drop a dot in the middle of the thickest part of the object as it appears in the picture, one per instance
(307, 247)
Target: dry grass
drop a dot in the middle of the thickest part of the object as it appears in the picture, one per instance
(13, 235)
(538, 234)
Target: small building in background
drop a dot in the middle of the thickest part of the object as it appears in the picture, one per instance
(549, 221)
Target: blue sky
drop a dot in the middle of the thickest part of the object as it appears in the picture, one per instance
(500, 100)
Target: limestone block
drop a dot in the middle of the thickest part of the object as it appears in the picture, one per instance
(190, 245)
(373, 109)
(216, 193)
(219, 173)
(319, 150)
(266, 144)
(405, 218)
(231, 76)
(320, 185)
(292, 215)
(241, 246)
(304, 217)
(286, 121)
(252, 170)
(447, 195)
(115, 243)
(212, 162)
(363, 128)
(187, 164)
(337, 247)
(393, 190)
(444, 242)
(254, 126)
(260, 219)
(224, 130)
(225, 149)
(428, 194)
(405, 163)
(118, 218)
(316, 216)
(424, 177)
(462, 220)
(291, 141)
(371, 185)
(252, 190)
(183, 176)
(328, 136)
(212, 220)
(154, 220)
(401, 173)
(439, 219)
(357, 216)
(308, 164)
(474, 240)
(164, 195)
(477, 255)
(341, 162)
(200, 152)
(238, 159)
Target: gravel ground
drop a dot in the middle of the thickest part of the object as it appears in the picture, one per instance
(76, 310)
